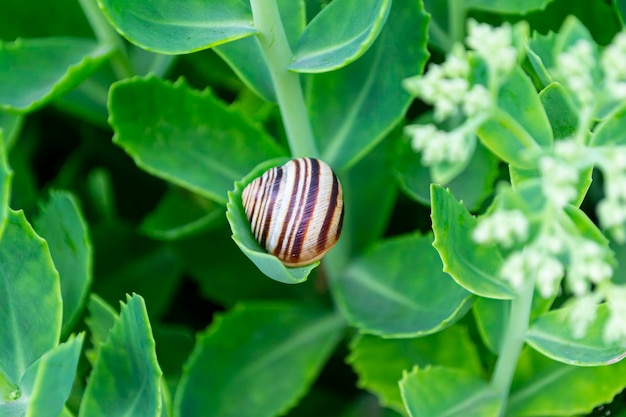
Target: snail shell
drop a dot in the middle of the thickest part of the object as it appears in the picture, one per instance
(296, 210)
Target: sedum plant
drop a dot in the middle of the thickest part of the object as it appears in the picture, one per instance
(508, 301)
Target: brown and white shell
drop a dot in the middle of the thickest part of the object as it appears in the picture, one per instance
(296, 210)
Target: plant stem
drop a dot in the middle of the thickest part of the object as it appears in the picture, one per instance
(108, 36)
(286, 84)
(513, 342)
(456, 20)
(516, 128)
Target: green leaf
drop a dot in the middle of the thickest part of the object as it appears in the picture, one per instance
(509, 6)
(380, 363)
(543, 387)
(181, 214)
(33, 71)
(271, 352)
(611, 131)
(125, 379)
(520, 114)
(397, 289)
(563, 118)
(552, 335)
(327, 46)
(62, 224)
(368, 99)
(5, 184)
(30, 296)
(101, 319)
(48, 382)
(244, 238)
(181, 27)
(441, 392)
(11, 124)
(185, 136)
(473, 266)
(472, 187)
(369, 183)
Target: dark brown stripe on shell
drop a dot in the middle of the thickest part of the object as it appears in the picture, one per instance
(290, 208)
(307, 210)
(275, 186)
(322, 239)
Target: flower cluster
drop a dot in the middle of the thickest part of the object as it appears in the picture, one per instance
(613, 63)
(448, 89)
(574, 65)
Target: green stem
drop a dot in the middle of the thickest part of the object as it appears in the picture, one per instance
(106, 35)
(286, 84)
(513, 342)
(456, 20)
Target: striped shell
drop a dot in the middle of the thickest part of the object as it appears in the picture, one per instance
(296, 210)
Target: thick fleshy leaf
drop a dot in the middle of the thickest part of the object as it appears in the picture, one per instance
(5, 184)
(509, 6)
(181, 214)
(611, 131)
(379, 363)
(30, 296)
(473, 266)
(552, 335)
(563, 118)
(272, 352)
(181, 27)
(472, 187)
(100, 321)
(48, 382)
(33, 71)
(326, 46)
(369, 183)
(520, 123)
(367, 97)
(397, 289)
(543, 387)
(442, 392)
(244, 238)
(11, 126)
(62, 224)
(125, 380)
(246, 57)
(185, 136)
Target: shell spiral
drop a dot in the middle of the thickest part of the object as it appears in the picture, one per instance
(296, 210)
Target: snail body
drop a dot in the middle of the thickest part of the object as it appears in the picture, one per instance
(296, 210)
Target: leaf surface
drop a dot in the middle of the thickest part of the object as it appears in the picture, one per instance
(397, 289)
(29, 329)
(326, 46)
(62, 224)
(271, 352)
(33, 71)
(126, 378)
(179, 27)
(380, 363)
(185, 136)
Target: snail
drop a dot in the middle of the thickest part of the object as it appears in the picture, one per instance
(295, 210)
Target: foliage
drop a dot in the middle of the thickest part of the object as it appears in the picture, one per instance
(128, 130)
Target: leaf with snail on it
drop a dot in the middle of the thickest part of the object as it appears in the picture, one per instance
(243, 237)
